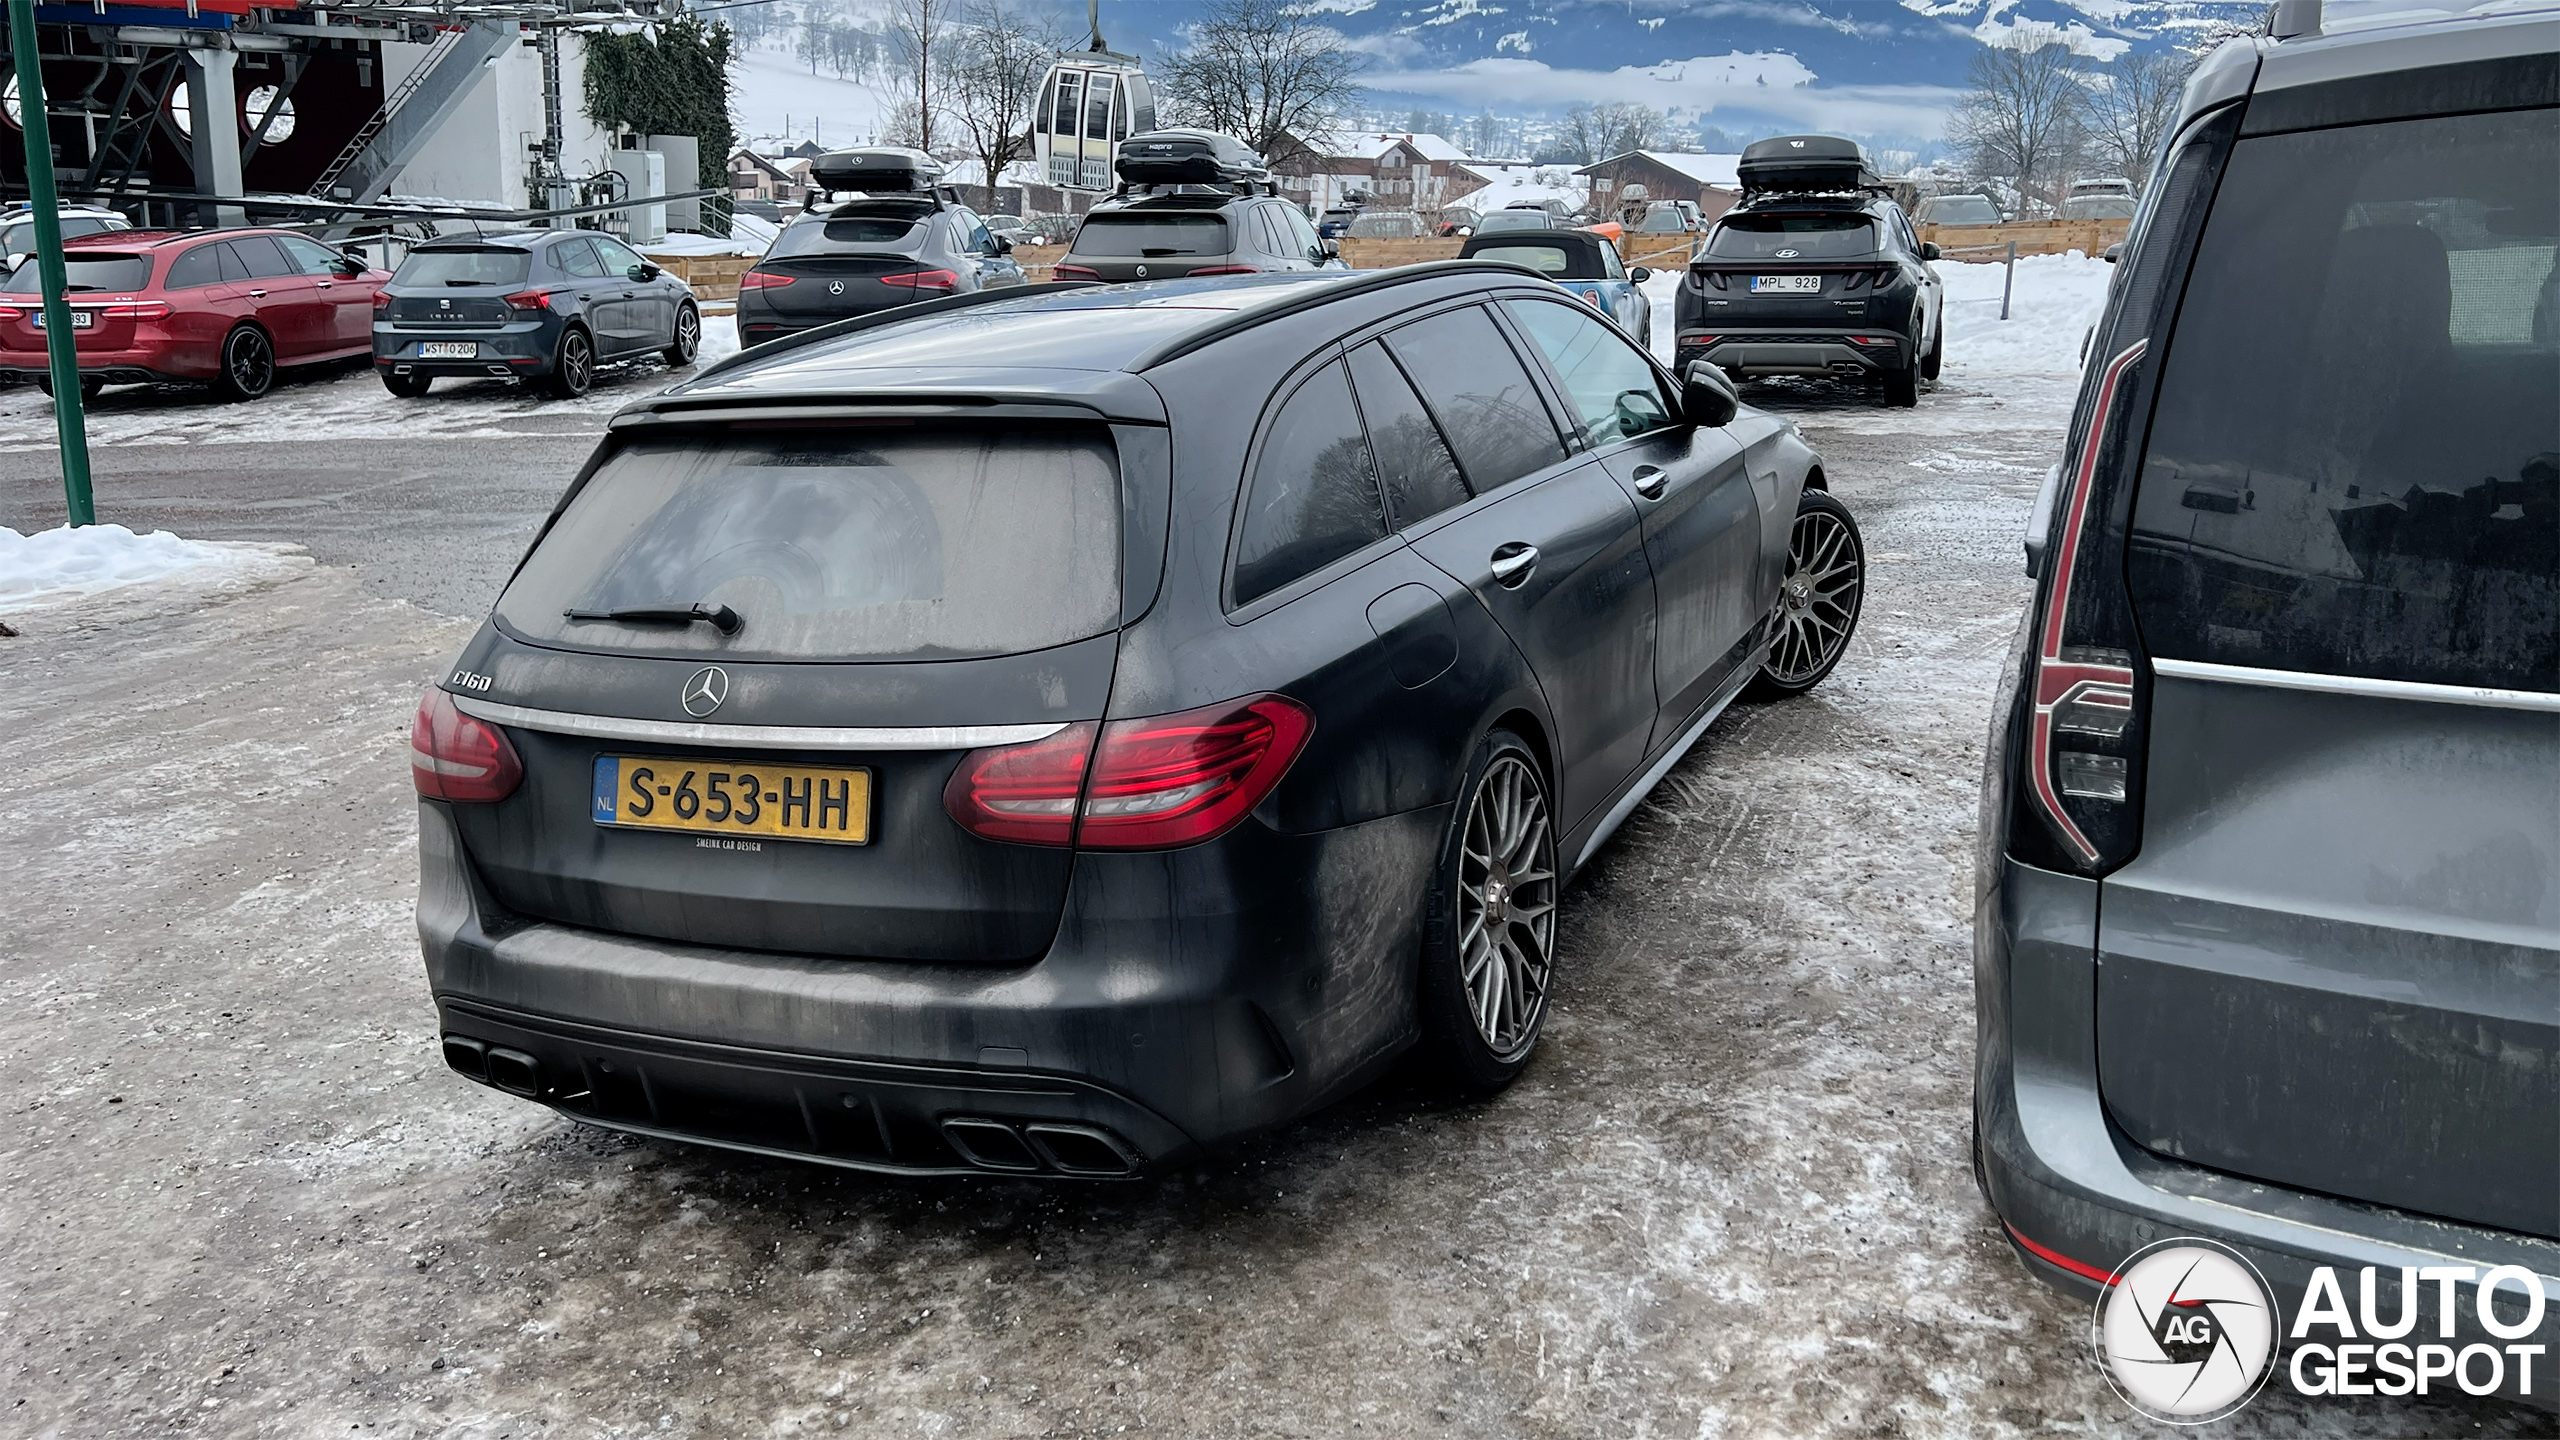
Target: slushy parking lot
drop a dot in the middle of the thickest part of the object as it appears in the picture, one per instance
(243, 1195)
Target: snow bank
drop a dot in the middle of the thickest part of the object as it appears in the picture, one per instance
(54, 565)
(2055, 299)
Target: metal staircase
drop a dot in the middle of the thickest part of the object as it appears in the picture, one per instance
(409, 85)
(423, 100)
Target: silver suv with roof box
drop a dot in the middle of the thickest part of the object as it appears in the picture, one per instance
(2268, 929)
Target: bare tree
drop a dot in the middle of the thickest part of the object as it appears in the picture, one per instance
(999, 54)
(1263, 71)
(1593, 133)
(918, 38)
(2022, 123)
(2130, 107)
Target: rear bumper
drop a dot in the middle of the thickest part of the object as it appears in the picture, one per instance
(1798, 351)
(137, 365)
(2065, 1180)
(1148, 1023)
(524, 348)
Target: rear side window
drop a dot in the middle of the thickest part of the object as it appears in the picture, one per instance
(2354, 464)
(1313, 497)
(1481, 395)
(116, 273)
(578, 259)
(200, 266)
(1612, 386)
(463, 267)
(1414, 462)
(1128, 236)
(1792, 237)
(838, 545)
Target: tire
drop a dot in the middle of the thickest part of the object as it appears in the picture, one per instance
(1484, 945)
(407, 387)
(1902, 387)
(248, 364)
(573, 365)
(1818, 602)
(90, 386)
(688, 338)
(1936, 358)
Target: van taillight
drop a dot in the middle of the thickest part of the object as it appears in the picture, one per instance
(455, 757)
(1155, 783)
(2080, 733)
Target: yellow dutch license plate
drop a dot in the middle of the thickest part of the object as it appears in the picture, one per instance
(731, 799)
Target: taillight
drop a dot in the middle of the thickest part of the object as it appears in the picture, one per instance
(12, 312)
(1156, 783)
(381, 302)
(924, 280)
(530, 300)
(1224, 270)
(454, 757)
(2080, 697)
(136, 310)
(1074, 272)
(764, 280)
(1857, 278)
(1714, 277)
(1025, 794)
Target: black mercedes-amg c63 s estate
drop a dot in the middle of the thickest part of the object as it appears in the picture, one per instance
(1062, 729)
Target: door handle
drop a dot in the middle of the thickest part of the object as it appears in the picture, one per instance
(1651, 481)
(323, 284)
(257, 294)
(1512, 564)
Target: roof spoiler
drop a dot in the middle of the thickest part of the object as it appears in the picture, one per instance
(2293, 19)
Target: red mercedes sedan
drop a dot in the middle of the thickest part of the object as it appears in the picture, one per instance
(224, 307)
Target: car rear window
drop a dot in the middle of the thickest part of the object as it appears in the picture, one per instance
(1792, 237)
(856, 544)
(1959, 212)
(1562, 262)
(493, 266)
(87, 271)
(1125, 236)
(850, 232)
(2354, 464)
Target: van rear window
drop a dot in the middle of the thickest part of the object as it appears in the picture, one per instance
(852, 544)
(2354, 464)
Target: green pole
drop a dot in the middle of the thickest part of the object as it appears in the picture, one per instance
(60, 347)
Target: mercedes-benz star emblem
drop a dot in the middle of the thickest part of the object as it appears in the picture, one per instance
(704, 692)
(836, 288)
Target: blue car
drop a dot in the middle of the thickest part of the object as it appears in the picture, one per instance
(1580, 261)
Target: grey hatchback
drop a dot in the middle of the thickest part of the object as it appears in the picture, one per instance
(2268, 929)
(536, 305)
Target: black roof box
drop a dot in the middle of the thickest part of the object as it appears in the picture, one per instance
(1806, 163)
(878, 167)
(1188, 157)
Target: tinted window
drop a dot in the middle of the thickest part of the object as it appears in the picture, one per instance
(1122, 234)
(1273, 240)
(578, 258)
(266, 261)
(1314, 496)
(2354, 464)
(1808, 237)
(463, 267)
(200, 266)
(1414, 463)
(1612, 386)
(1556, 260)
(850, 545)
(1303, 231)
(618, 258)
(116, 273)
(849, 233)
(1481, 395)
(310, 256)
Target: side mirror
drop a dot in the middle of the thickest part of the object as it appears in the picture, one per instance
(349, 266)
(1639, 275)
(644, 271)
(1929, 250)
(1332, 251)
(2040, 522)
(1707, 395)
(1003, 246)
(2115, 253)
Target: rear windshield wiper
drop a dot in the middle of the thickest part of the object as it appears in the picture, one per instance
(718, 617)
(471, 282)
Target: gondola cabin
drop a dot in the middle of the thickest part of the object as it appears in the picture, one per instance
(1090, 102)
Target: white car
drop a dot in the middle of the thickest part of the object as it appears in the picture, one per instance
(18, 228)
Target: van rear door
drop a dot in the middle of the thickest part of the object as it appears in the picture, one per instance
(2334, 964)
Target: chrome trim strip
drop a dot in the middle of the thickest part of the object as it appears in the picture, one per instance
(757, 737)
(2480, 695)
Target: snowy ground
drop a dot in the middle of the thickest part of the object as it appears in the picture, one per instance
(1729, 1198)
(52, 566)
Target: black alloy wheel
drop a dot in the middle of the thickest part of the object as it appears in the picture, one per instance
(1489, 941)
(573, 369)
(407, 387)
(688, 339)
(1817, 606)
(248, 364)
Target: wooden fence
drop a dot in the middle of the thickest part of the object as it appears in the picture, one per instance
(2034, 237)
(713, 277)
